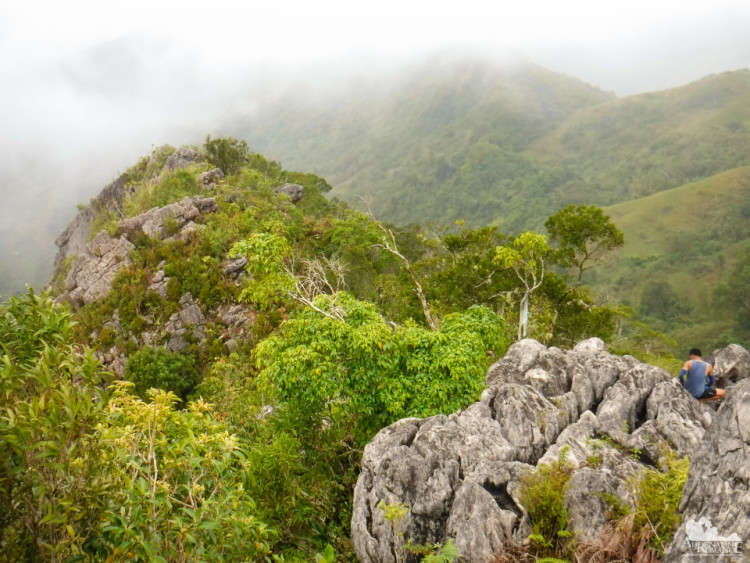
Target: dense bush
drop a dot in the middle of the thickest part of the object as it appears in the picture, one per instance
(377, 372)
(94, 475)
(159, 368)
(227, 153)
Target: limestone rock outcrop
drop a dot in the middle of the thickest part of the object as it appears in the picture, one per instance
(73, 240)
(718, 484)
(188, 323)
(294, 191)
(460, 474)
(181, 158)
(91, 275)
(154, 222)
(211, 177)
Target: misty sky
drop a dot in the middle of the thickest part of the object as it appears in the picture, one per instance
(86, 87)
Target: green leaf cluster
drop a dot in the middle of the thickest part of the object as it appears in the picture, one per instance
(377, 372)
(159, 368)
(543, 495)
(94, 474)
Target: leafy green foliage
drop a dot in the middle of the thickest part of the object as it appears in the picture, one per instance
(181, 478)
(51, 471)
(658, 499)
(542, 493)
(378, 373)
(583, 233)
(265, 252)
(227, 153)
(91, 474)
(159, 368)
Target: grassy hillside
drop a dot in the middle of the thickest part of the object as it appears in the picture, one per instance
(635, 146)
(508, 148)
(680, 244)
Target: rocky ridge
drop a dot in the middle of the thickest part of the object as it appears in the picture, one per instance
(89, 266)
(460, 474)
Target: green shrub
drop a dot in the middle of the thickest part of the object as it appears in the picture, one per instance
(658, 499)
(161, 369)
(226, 153)
(379, 374)
(543, 495)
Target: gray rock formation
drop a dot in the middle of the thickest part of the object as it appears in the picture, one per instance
(181, 158)
(160, 281)
(73, 240)
(91, 275)
(189, 320)
(155, 221)
(730, 365)
(460, 474)
(718, 484)
(211, 177)
(294, 191)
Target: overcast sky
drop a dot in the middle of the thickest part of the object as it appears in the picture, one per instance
(88, 86)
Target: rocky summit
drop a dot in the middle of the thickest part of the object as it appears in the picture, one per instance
(614, 416)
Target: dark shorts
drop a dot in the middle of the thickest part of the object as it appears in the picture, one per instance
(708, 393)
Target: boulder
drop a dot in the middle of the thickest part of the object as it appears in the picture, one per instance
(715, 501)
(460, 475)
(91, 275)
(181, 158)
(294, 191)
(189, 320)
(211, 177)
(731, 364)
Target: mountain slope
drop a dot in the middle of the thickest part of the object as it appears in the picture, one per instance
(642, 144)
(679, 244)
(447, 125)
(508, 147)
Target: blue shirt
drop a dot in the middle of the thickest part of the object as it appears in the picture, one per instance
(696, 378)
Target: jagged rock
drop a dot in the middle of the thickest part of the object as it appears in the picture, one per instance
(92, 272)
(731, 364)
(587, 509)
(234, 268)
(73, 240)
(718, 484)
(294, 191)
(460, 474)
(189, 319)
(152, 223)
(181, 158)
(160, 281)
(212, 176)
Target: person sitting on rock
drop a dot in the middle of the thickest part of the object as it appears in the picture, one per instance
(698, 378)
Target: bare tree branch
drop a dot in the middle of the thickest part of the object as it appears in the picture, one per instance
(389, 244)
(312, 281)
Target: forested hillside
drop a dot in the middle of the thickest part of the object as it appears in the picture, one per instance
(683, 267)
(446, 143)
(492, 146)
(234, 340)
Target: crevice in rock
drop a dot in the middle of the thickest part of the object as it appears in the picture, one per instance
(595, 405)
(502, 498)
(641, 416)
(646, 459)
